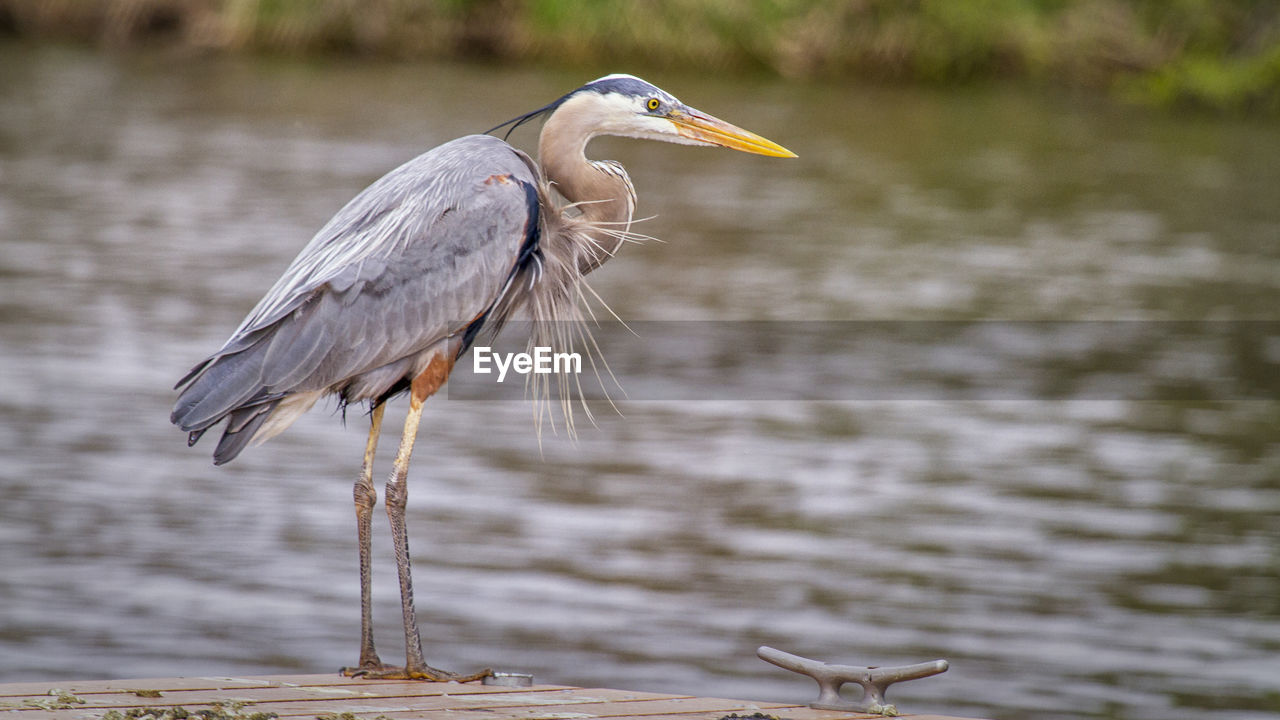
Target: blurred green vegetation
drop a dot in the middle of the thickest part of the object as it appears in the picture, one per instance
(1221, 54)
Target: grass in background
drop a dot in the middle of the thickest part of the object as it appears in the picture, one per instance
(1222, 54)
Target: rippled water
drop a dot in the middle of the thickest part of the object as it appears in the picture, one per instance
(1074, 554)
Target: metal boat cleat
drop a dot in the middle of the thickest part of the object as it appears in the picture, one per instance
(874, 680)
(508, 679)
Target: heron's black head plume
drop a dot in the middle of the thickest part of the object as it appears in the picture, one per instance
(518, 121)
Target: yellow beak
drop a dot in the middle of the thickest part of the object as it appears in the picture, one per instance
(699, 126)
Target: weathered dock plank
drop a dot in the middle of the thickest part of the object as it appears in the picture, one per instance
(313, 696)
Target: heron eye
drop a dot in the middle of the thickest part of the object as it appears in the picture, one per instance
(652, 104)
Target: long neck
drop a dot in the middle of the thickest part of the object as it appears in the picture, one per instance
(602, 190)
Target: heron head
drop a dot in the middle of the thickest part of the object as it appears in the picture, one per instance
(627, 106)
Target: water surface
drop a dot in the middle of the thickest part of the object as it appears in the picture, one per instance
(1092, 554)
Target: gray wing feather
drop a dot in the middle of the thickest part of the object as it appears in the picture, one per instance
(390, 218)
(407, 263)
(241, 426)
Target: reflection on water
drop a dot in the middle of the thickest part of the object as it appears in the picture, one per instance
(1096, 557)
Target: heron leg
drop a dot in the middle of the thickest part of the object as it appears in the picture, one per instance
(366, 496)
(397, 496)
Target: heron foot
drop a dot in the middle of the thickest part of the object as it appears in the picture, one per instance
(427, 673)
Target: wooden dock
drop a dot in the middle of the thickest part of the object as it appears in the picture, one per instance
(332, 697)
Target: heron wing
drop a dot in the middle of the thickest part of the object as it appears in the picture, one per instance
(412, 260)
(394, 215)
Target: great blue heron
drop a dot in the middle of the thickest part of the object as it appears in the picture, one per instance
(388, 295)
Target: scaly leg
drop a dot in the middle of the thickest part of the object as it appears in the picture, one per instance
(366, 496)
(397, 496)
